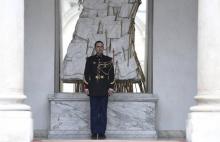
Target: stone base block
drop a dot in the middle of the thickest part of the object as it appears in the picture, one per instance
(129, 116)
(16, 126)
(203, 127)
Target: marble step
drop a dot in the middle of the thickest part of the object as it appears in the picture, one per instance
(108, 140)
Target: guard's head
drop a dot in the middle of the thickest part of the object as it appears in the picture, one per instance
(99, 47)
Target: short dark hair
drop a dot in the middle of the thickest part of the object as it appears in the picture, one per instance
(98, 42)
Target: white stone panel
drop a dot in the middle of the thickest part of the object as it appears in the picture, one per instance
(125, 10)
(121, 43)
(88, 13)
(203, 127)
(117, 3)
(125, 26)
(16, 126)
(127, 70)
(94, 4)
(89, 23)
(132, 116)
(113, 29)
(76, 51)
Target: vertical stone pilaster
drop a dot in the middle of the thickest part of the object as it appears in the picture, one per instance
(15, 116)
(203, 120)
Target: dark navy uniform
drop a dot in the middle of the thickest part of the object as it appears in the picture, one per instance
(98, 78)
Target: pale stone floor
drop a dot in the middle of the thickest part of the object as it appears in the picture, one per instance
(114, 140)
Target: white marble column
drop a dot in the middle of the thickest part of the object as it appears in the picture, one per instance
(15, 116)
(203, 123)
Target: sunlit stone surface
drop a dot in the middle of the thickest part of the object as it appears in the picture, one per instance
(15, 116)
(203, 120)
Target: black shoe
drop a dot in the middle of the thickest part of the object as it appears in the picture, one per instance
(94, 136)
(101, 136)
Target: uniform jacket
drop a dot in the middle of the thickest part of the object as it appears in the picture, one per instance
(99, 75)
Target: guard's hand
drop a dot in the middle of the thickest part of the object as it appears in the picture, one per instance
(110, 91)
(86, 91)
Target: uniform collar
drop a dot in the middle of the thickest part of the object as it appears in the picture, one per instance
(99, 56)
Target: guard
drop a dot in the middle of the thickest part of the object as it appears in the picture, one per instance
(98, 85)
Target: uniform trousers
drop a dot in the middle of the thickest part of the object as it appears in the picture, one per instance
(98, 114)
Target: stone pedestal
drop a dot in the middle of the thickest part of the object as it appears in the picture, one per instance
(203, 127)
(203, 121)
(129, 116)
(16, 126)
(15, 116)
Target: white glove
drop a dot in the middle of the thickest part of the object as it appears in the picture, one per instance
(86, 91)
(110, 91)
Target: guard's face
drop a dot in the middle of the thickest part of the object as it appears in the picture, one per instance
(99, 48)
